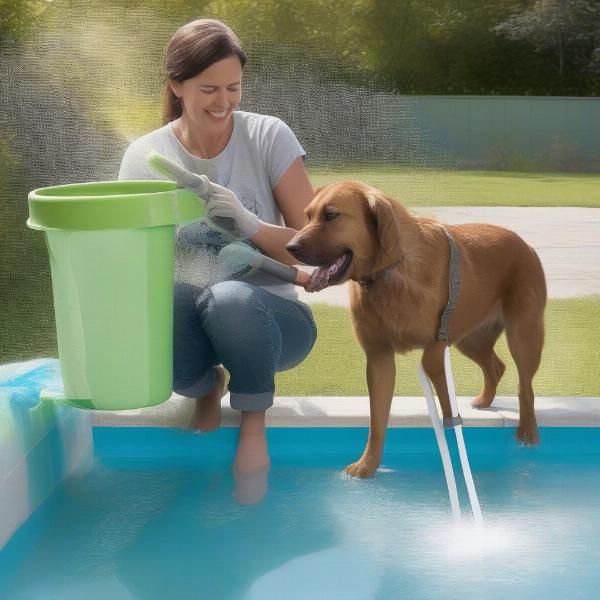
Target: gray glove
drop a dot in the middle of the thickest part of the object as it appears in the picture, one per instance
(225, 211)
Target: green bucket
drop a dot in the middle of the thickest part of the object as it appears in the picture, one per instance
(111, 256)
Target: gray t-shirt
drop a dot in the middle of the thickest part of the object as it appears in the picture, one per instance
(260, 150)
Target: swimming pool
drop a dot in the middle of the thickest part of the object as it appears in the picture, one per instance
(154, 517)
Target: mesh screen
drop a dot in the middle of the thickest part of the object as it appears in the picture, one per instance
(79, 90)
(87, 79)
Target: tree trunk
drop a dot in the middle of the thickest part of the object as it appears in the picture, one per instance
(561, 60)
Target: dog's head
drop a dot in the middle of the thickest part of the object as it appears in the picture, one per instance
(352, 231)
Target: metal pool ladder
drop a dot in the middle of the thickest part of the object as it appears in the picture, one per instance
(454, 422)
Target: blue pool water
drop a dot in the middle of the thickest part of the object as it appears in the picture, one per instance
(155, 518)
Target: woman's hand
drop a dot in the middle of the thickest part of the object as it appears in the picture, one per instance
(316, 281)
(225, 211)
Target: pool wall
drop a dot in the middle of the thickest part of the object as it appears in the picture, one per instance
(41, 443)
(333, 445)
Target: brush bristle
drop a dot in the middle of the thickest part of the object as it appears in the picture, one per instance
(156, 161)
(237, 256)
(184, 178)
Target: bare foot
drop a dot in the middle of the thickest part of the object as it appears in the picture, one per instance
(252, 463)
(251, 486)
(252, 452)
(207, 412)
(252, 446)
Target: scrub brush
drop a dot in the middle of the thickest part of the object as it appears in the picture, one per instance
(182, 177)
(199, 184)
(236, 256)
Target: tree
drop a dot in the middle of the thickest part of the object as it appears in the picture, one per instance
(569, 29)
(18, 18)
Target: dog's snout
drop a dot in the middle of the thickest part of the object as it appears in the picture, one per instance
(297, 248)
(294, 248)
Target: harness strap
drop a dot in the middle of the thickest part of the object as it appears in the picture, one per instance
(369, 279)
(452, 421)
(453, 287)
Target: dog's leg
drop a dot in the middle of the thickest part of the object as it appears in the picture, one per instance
(381, 376)
(525, 335)
(478, 345)
(433, 365)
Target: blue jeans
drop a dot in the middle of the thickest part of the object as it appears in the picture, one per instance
(252, 332)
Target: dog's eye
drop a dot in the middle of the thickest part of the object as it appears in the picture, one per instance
(330, 216)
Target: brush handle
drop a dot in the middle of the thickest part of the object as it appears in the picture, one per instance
(281, 271)
(199, 184)
(181, 176)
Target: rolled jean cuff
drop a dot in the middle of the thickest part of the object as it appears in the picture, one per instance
(251, 402)
(200, 388)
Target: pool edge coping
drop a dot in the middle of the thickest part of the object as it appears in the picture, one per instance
(353, 411)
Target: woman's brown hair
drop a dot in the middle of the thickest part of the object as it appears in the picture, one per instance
(194, 47)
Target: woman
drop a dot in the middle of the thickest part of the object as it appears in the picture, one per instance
(255, 326)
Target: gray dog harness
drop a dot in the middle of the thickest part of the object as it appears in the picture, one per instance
(453, 287)
(442, 332)
(453, 290)
(453, 284)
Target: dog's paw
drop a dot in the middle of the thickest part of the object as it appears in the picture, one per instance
(481, 402)
(362, 468)
(528, 436)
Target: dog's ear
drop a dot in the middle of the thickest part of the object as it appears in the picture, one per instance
(389, 217)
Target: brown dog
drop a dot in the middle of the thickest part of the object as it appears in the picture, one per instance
(398, 264)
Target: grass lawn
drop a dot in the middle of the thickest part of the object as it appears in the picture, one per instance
(336, 366)
(471, 188)
(570, 363)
